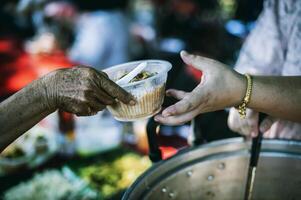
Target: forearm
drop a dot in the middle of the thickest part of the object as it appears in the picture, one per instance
(277, 96)
(22, 111)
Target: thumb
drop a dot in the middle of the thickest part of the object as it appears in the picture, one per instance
(178, 94)
(198, 62)
(266, 124)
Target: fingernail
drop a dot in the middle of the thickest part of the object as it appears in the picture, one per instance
(132, 102)
(184, 53)
(186, 57)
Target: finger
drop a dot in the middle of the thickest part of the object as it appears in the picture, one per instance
(188, 103)
(246, 127)
(85, 106)
(103, 97)
(198, 62)
(252, 122)
(115, 91)
(272, 132)
(95, 105)
(90, 110)
(254, 132)
(85, 114)
(177, 120)
(246, 131)
(233, 118)
(103, 73)
(83, 110)
(180, 107)
(266, 124)
(178, 94)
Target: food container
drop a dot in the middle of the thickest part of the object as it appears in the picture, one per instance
(218, 170)
(149, 92)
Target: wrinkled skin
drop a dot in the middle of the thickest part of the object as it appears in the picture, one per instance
(80, 90)
(82, 96)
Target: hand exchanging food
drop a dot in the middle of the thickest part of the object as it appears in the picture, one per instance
(82, 90)
(220, 87)
(79, 90)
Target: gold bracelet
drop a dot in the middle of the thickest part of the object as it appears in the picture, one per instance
(242, 108)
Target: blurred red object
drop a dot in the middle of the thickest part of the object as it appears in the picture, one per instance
(15, 70)
(18, 68)
(170, 145)
(168, 151)
(45, 63)
(195, 73)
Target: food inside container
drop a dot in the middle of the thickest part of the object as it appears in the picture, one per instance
(13, 152)
(141, 76)
(148, 87)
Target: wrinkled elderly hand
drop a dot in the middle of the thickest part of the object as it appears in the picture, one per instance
(220, 87)
(82, 90)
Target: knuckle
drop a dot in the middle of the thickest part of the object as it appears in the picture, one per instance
(87, 71)
(76, 110)
(81, 66)
(103, 83)
(85, 102)
(103, 74)
(109, 102)
(87, 92)
(90, 71)
(82, 100)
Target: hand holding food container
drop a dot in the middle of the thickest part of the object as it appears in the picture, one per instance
(148, 87)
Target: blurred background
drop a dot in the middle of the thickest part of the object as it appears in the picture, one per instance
(97, 157)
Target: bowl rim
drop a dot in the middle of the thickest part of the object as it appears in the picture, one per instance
(168, 67)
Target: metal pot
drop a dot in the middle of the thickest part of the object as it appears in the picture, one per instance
(218, 171)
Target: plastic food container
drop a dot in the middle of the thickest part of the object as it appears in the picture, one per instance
(149, 92)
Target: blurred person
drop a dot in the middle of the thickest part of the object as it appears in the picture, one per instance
(53, 24)
(80, 90)
(272, 48)
(24, 60)
(222, 87)
(101, 33)
(180, 18)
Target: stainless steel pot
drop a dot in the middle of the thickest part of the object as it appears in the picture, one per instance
(218, 171)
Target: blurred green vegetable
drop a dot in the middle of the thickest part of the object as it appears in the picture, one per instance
(111, 178)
